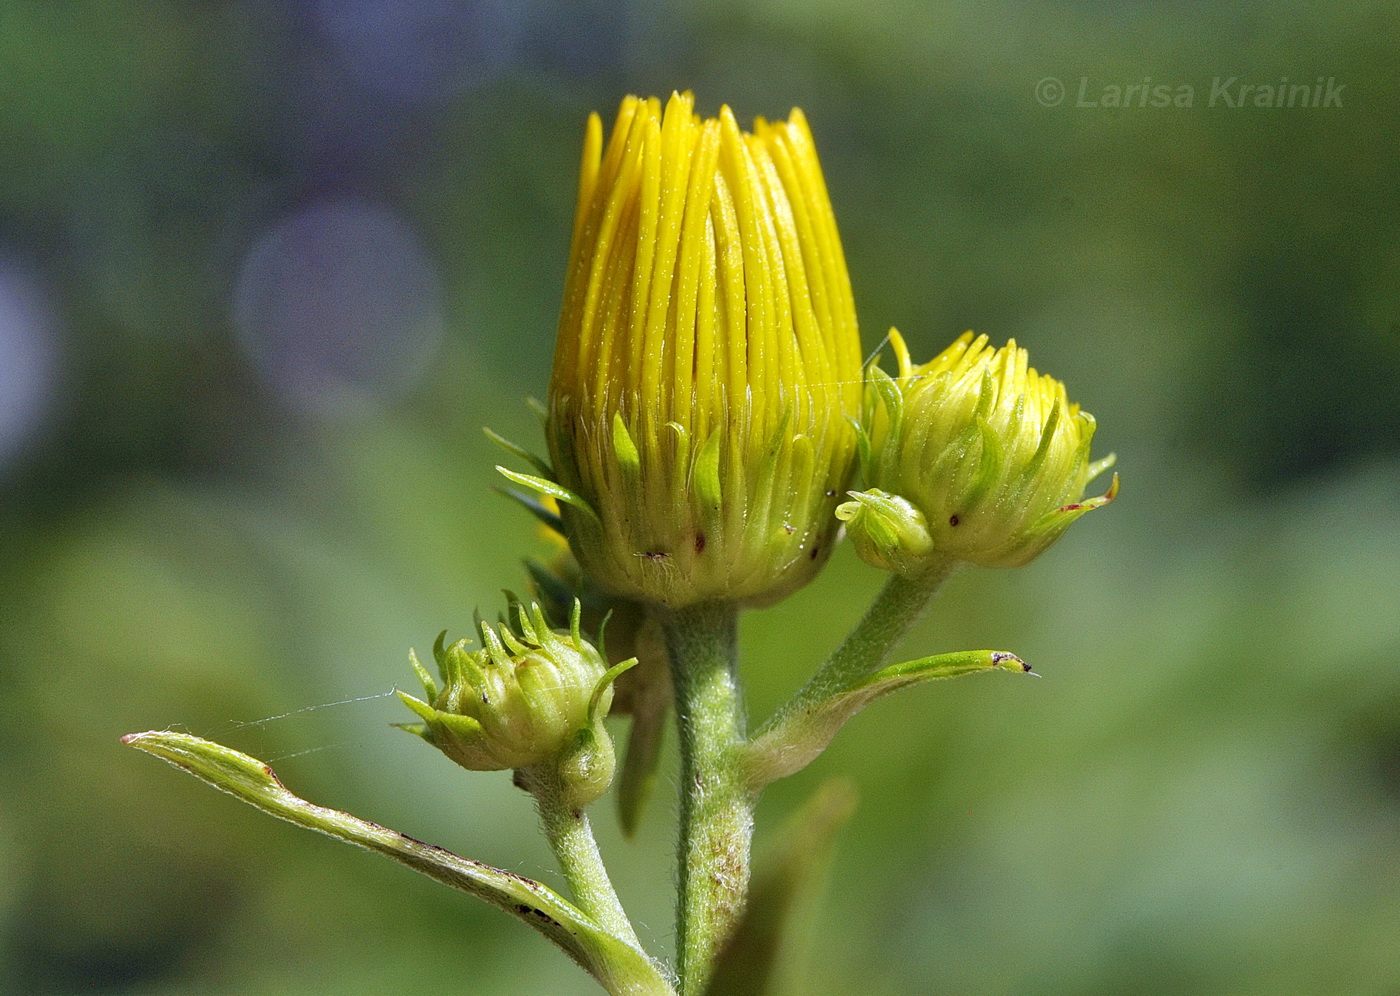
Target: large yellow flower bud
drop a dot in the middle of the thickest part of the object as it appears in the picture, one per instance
(971, 457)
(708, 361)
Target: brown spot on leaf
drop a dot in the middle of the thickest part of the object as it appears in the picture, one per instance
(525, 909)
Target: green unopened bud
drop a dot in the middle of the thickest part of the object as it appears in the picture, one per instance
(993, 455)
(530, 697)
(887, 531)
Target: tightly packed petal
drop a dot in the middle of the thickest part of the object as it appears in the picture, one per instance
(708, 361)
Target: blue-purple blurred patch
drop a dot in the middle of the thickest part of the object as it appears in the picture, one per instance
(28, 359)
(425, 50)
(337, 304)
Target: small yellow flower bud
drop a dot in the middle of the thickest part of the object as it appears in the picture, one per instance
(984, 460)
(708, 361)
(529, 697)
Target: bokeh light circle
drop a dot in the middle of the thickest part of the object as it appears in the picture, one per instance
(339, 302)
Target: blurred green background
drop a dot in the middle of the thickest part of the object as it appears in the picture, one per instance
(266, 268)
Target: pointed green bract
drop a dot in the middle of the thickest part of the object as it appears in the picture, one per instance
(550, 490)
(539, 463)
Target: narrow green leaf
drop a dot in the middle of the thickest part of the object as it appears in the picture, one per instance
(795, 742)
(609, 676)
(637, 779)
(1099, 466)
(651, 696)
(890, 394)
(752, 961)
(618, 966)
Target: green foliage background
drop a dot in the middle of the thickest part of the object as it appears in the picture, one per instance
(1201, 796)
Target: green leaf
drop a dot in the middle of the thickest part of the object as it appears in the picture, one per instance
(618, 966)
(651, 696)
(751, 962)
(422, 709)
(636, 780)
(796, 740)
(891, 396)
(609, 676)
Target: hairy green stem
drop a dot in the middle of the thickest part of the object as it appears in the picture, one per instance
(869, 645)
(570, 835)
(716, 808)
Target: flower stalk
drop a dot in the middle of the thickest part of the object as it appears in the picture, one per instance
(570, 836)
(716, 809)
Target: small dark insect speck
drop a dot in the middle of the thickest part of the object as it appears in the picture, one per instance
(830, 494)
(813, 554)
(953, 520)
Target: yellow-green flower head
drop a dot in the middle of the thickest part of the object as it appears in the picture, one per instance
(708, 360)
(972, 457)
(528, 697)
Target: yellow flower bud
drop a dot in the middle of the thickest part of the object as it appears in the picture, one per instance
(988, 460)
(708, 361)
